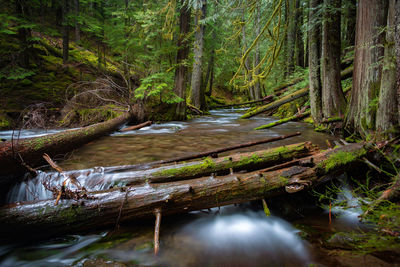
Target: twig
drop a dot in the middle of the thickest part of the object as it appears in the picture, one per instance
(157, 212)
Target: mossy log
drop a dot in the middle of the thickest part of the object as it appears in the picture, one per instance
(282, 121)
(277, 103)
(104, 208)
(16, 153)
(266, 99)
(332, 120)
(282, 87)
(190, 170)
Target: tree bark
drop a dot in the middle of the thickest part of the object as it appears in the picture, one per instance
(30, 150)
(181, 57)
(198, 45)
(65, 11)
(210, 68)
(333, 100)
(371, 18)
(102, 209)
(387, 116)
(136, 127)
(397, 49)
(314, 56)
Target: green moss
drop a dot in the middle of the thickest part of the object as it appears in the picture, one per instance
(5, 122)
(206, 165)
(340, 158)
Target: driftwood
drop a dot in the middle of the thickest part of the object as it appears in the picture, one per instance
(30, 150)
(282, 121)
(267, 99)
(143, 201)
(212, 153)
(277, 103)
(136, 127)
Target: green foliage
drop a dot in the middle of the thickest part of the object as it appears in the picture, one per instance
(16, 73)
(158, 85)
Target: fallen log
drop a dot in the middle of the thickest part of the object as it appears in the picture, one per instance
(29, 151)
(282, 121)
(332, 120)
(103, 208)
(277, 103)
(267, 99)
(194, 109)
(212, 153)
(208, 166)
(136, 127)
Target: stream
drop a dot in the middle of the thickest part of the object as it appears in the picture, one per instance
(235, 235)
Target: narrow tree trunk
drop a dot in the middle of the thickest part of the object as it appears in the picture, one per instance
(210, 71)
(181, 57)
(257, 59)
(333, 100)
(299, 35)
(291, 36)
(397, 50)
(30, 150)
(247, 60)
(103, 209)
(351, 17)
(371, 18)
(198, 55)
(23, 34)
(314, 46)
(387, 116)
(65, 31)
(77, 27)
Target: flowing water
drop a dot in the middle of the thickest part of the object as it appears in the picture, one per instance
(229, 236)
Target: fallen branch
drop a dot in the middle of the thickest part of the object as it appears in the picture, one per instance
(282, 121)
(136, 127)
(194, 109)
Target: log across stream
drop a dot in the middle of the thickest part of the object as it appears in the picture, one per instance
(159, 142)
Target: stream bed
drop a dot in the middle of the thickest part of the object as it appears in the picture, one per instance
(235, 235)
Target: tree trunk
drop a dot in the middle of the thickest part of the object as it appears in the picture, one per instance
(103, 209)
(333, 100)
(291, 36)
(351, 17)
(181, 57)
(23, 34)
(371, 18)
(299, 35)
(257, 58)
(65, 11)
(77, 27)
(397, 50)
(314, 48)
(198, 45)
(30, 150)
(210, 71)
(387, 116)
